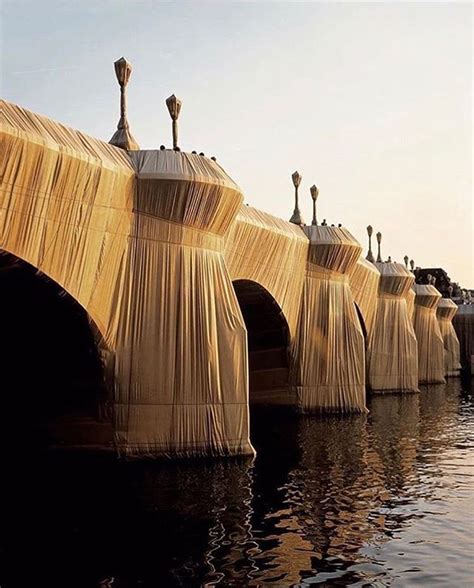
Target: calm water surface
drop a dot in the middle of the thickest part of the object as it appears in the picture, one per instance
(378, 500)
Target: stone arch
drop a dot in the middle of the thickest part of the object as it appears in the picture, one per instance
(52, 371)
(268, 337)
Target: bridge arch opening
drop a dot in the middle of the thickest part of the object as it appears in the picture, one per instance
(51, 374)
(268, 345)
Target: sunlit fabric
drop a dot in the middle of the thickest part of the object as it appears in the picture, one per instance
(66, 204)
(329, 371)
(445, 313)
(392, 347)
(430, 341)
(150, 243)
(364, 282)
(182, 378)
(411, 303)
(137, 240)
(271, 252)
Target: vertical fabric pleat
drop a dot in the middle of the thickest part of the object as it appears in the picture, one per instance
(364, 281)
(445, 313)
(392, 346)
(430, 341)
(329, 366)
(182, 369)
(272, 253)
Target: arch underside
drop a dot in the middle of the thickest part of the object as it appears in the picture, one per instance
(268, 345)
(51, 369)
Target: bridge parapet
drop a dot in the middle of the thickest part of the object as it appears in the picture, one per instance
(185, 188)
(332, 248)
(395, 279)
(446, 309)
(427, 296)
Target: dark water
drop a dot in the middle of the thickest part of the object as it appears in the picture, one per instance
(382, 500)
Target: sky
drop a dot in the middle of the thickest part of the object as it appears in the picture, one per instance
(372, 102)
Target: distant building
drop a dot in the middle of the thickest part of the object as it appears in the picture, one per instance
(443, 281)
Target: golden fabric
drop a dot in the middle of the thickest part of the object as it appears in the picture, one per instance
(411, 304)
(137, 239)
(364, 282)
(66, 204)
(329, 369)
(430, 341)
(445, 313)
(392, 347)
(271, 252)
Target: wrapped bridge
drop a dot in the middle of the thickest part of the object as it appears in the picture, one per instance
(191, 297)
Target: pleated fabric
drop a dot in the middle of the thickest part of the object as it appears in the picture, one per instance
(392, 348)
(182, 378)
(430, 341)
(66, 207)
(364, 282)
(445, 313)
(271, 252)
(411, 303)
(329, 367)
(137, 239)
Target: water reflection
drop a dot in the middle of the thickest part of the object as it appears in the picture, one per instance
(377, 500)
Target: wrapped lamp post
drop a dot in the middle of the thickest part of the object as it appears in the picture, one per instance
(379, 240)
(122, 137)
(296, 217)
(174, 108)
(314, 195)
(370, 255)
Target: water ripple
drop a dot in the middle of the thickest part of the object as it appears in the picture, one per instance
(377, 500)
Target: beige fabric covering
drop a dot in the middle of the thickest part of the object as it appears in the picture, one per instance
(392, 348)
(271, 252)
(445, 313)
(138, 242)
(430, 341)
(149, 243)
(411, 304)
(54, 178)
(329, 371)
(364, 282)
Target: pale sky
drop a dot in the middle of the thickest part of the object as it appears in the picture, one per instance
(372, 102)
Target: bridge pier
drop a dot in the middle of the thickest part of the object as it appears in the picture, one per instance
(329, 354)
(392, 349)
(430, 341)
(181, 359)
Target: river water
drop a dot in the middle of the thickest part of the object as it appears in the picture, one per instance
(379, 500)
